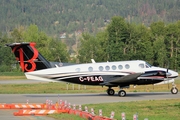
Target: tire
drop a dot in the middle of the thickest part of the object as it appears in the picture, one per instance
(122, 93)
(110, 91)
(174, 90)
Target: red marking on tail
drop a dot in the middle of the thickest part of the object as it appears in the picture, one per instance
(24, 65)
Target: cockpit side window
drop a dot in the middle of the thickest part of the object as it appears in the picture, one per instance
(148, 65)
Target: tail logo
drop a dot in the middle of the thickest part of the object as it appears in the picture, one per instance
(28, 65)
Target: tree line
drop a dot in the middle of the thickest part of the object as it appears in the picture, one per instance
(157, 44)
(52, 49)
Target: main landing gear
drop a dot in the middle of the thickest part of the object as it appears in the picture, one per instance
(122, 93)
(111, 92)
(174, 90)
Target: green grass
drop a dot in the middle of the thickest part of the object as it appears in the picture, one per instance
(12, 75)
(65, 116)
(61, 87)
(152, 109)
(47, 88)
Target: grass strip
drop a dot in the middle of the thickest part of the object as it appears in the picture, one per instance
(152, 109)
(65, 116)
(12, 76)
(62, 87)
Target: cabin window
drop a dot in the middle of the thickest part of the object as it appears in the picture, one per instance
(120, 67)
(127, 66)
(77, 70)
(90, 69)
(107, 68)
(114, 67)
(141, 65)
(101, 68)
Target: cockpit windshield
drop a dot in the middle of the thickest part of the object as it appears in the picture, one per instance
(148, 65)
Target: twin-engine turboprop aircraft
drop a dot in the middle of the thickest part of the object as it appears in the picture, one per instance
(110, 74)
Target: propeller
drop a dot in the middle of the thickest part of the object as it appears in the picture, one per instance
(167, 74)
(168, 82)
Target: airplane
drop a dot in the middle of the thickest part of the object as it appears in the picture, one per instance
(120, 74)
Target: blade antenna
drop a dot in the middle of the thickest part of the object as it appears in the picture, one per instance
(167, 73)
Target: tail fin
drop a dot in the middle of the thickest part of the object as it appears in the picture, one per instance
(28, 57)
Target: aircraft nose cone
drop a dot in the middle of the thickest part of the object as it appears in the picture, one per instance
(174, 74)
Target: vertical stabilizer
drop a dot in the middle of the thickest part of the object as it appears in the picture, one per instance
(28, 57)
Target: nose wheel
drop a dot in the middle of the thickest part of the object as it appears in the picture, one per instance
(174, 90)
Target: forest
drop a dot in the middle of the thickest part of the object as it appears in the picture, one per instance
(110, 30)
(157, 44)
(55, 17)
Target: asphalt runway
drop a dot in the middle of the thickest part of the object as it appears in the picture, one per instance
(88, 98)
(77, 99)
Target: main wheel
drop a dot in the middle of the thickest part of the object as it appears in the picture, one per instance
(174, 90)
(122, 93)
(110, 92)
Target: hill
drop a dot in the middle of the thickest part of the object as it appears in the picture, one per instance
(76, 16)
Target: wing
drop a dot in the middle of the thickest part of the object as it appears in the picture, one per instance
(125, 79)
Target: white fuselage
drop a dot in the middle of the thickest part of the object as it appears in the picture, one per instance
(89, 69)
(93, 72)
